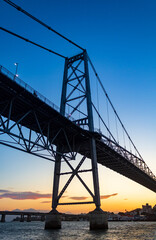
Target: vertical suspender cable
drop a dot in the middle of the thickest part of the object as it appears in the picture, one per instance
(130, 146)
(97, 92)
(108, 115)
(116, 125)
(124, 138)
(113, 107)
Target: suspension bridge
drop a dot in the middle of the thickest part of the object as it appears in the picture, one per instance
(29, 122)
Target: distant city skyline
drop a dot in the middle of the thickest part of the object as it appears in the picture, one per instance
(120, 39)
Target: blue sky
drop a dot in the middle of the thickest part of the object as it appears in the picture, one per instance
(120, 38)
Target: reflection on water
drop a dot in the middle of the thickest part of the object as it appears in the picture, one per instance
(78, 231)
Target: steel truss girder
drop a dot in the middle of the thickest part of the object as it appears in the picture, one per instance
(15, 135)
(136, 161)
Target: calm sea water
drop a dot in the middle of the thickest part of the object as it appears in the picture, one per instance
(78, 231)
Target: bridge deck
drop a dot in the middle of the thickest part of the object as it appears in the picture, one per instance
(22, 213)
(109, 153)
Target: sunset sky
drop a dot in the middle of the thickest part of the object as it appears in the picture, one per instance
(120, 37)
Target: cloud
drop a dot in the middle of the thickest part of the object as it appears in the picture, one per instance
(4, 191)
(46, 202)
(23, 195)
(108, 196)
(64, 196)
(78, 198)
(37, 195)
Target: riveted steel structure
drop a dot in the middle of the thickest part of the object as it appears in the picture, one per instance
(31, 123)
(76, 92)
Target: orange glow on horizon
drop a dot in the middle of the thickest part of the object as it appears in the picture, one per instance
(109, 205)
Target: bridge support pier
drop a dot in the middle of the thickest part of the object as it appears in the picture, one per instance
(28, 218)
(22, 218)
(98, 220)
(53, 220)
(42, 218)
(3, 218)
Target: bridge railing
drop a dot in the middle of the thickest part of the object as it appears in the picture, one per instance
(31, 90)
(139, 163)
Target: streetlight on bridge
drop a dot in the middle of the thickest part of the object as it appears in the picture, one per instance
(16, 64)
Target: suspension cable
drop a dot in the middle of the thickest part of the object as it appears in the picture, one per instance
(104, 124)
(40, 22)
(113, 106)
(27, 40)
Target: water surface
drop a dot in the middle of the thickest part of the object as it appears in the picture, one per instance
(78, 231)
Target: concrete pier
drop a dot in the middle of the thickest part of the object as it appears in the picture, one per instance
(98, 220)
(28, 218)
(3, 218)
(53, 220)
(22, 218)
(42, 218)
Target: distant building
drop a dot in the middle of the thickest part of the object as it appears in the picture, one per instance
(146, 213)
(136, 211)
(154, 209)
(147, 209)
(113, 217)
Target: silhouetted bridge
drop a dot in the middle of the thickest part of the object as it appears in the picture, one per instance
(29, 216)
(20, 105)
(22, 215)
(31, 123)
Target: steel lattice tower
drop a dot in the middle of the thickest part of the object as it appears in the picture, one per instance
(75, 93)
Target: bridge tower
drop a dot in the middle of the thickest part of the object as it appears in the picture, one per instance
(76, 100)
